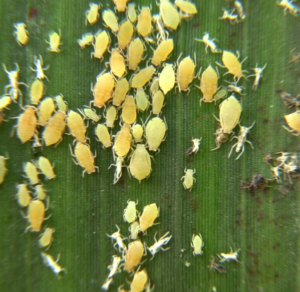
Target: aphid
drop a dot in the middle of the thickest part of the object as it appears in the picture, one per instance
(133, 255)
(118, 237)
(87, 39)
(242, 139)
(167, 78)
(84, 158)
(222, 93)
(62, 105)
(195, 147)
(21, 34)
(52, 264)
(54, 42)
(76, 126)
(157, 102)
(290, 168)
(128, 115)
(111, 20)
(162, 52)
(46, 168)
(125, 34)
(121, 5)
(162, 33)
(139, 281)
(117, 63)
(283, 158)
(197, 244)
(150, 213)
(36, 141)
(257, 74)
(293, 121)
(40, 193)
(141, 99)
(187, 7)
(137, 132)
(5, 101)
(106, 284)
(45, 111)
(35, 215)
(135, 53)
(231, 256)
(215, 266)
(36, 91)
(31, 172)
(118, 171)
(208, 84)
(111, 115)
(144, 25)
(122, 141)
(101, 44)
(239, 9)
(233, 18)
(54, 128)
(295, 57)
(103, 89)
(287, 98)
(114, 267)
(234, 88)
(208, 43)
(130, 212)
(188, 179)
(103, 135)
(142, 77)
(134, 230)
(92, 14)
(3, 169)
(185, 73)
(38, 62)
(46, 238)
(131, 12)
(90, 114)
(121, 89)
(158, 245)
(155, 133)
(169, 14)
(23, 195)
(258, 182)
(154, 87)
(288, 5)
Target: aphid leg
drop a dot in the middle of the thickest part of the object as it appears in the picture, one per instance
(291, 131)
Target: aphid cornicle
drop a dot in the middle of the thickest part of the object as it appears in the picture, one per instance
(111, 115)
(157, 102)
(293, 121)
(188, 179)
(131, 12)
(135, 53)
(91, 114)
(167, 78)
(141, 99)
(103, 89)
(197, 244)
(46, 238)
(121, 89)
(139, 281)
(144, 24)
(87, 39)
(137, 132)
(54, 42)
(46, 168)
(185, 73)
(155, 133)
(36, 91)
(140, 163)
(45, 110)
(92, 14)
(40, 193)
(128, 115)
(3, 169)
(31, 172)
(61, 104)
(169, 14)
(142, 77)
(52, 264)
(117, 63)
(35, 215)
(208, 84)
(23, 195)
(130, 212)
(133, 255)
(103, 135)
(26, 126)
(162, 52)
(38, 62)
(257, 74)
(150, 213)
(187, 7)
(122, 141)
(76, 126)
(21, 34)
(208, 43)
(101, 44)
(111, 20)
(125, 34)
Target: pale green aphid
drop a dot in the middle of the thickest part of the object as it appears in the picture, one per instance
(103, 135)
(157, 102)
(137, 132)
(197, 244)
(155, 133)
(130, 213)
(111, 116)
(141, 99)
(188, 179)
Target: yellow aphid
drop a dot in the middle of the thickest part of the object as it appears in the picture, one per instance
(150, 213)
(123, 141)
(155, 133)
(46, 168)
(169, 14)
(52, 264)
(31, 173)
(135, 53)
(46, 238)
(125, 34)
(111, 115)
(84, 158)
(23, 195)
(186, 7)
(92, 14)
(103, 135)
(117, 63)
(76, 126)
(131, 13)
(90, 114)
(188, 179)
(54, 128)
(139, 281)
(38, 62)
(26, 126)
(134, 230)
(111, 20)
(45, 110)
(293, 121)
(118, 171)
(87, 39)
(62, 105)
(157, 102)
(36, 91)
(103, 89)
(144, 25)
(141, 99)
(119, 94)
(197, 244)
(128, 115)
(142, 77)
(133, 255)
(35, 215)
(130, 213)
(121, 5)
(162, 52)
(185, 73)
(208, 43)
(154, 87)
(5, 101)
(54, 42)
(21, 34)
(137, 132)
(167, 78)
(208, 84)
(140, 163)
(40, 193)
(3, 169)
(101, 44)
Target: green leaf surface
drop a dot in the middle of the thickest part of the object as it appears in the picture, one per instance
(265, 225)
